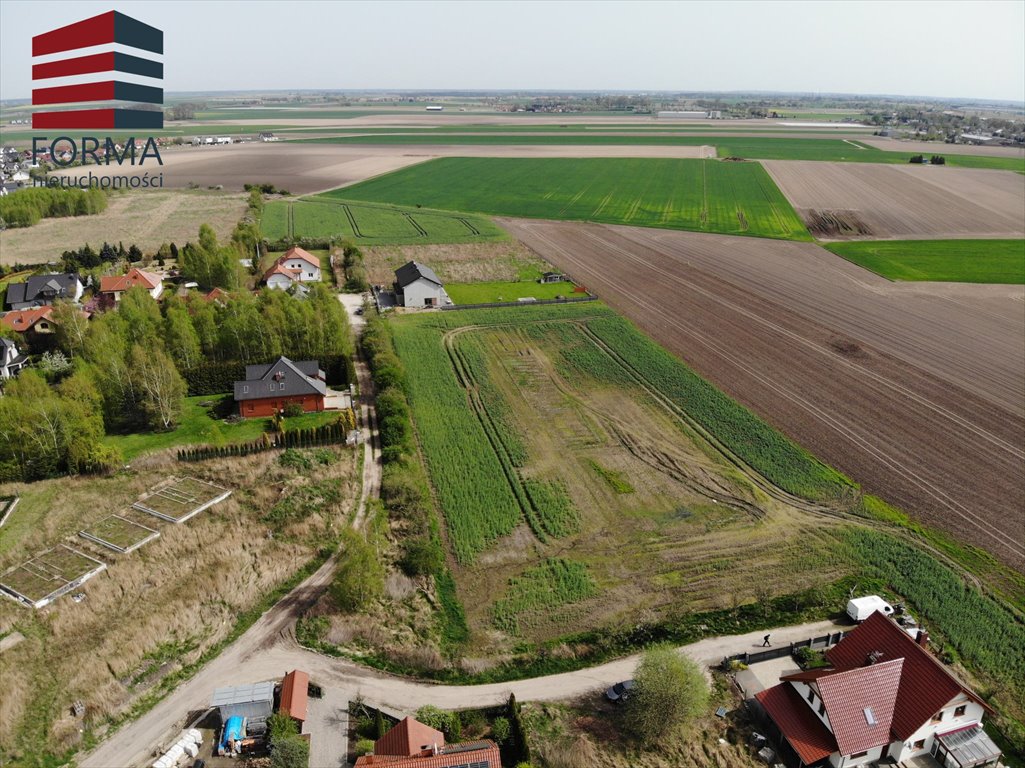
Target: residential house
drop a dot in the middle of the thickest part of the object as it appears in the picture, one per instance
(36, 320)
(113, 287)
(11, 361)
(295, 266)
(883, 697)
(411, 744)
(42, 290)
(267, 389)
(419, 286)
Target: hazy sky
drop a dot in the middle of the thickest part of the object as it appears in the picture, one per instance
(954, 49)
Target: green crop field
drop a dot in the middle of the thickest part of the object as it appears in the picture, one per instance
(325, 217)
(812, 147)
(958, 261)
(703, 195)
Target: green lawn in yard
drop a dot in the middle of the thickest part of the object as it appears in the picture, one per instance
(701, 195)
(197, 428)
(483, 293)
(374, 224)
(957, 261)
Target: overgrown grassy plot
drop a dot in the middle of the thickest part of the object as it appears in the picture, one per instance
(704, 195)
(959, 261)
(119, 534)
(540, 589)
(539, 404)
(45, 575)
(327, 217)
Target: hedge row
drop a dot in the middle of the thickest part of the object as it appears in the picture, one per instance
(326, 434)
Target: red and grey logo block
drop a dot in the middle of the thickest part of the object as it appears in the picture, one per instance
(103, 73)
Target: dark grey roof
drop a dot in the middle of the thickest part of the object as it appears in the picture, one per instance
(413, 271)
(282, 378)
(42, 289)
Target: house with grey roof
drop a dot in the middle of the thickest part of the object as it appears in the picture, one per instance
(416, 285)
(43, 290)
(267, 389)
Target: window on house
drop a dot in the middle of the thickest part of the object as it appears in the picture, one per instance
(960, 710)
(920, 744)
(860, 754)
(822, 709)
(250, 407)
(938, 717)
(811, 695)
(245, 388)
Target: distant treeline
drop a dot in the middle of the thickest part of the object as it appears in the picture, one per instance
(27, 206)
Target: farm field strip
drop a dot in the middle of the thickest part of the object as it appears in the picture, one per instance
(734, 198)
(320, 217)
(906, 202)
(963, 261)
(945, 455)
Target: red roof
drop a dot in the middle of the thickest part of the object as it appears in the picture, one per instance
(925, 686)
(279, 269)
(134, 277)
(409, 737)
(298, 253)
(854, 696)
(487, 754)
(22, 320)
(294, 691)
(800, 726)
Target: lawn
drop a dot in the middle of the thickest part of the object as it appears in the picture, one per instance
(957, 261)
(198, 428)
(325, 217)
(703, 195)
(482, 293)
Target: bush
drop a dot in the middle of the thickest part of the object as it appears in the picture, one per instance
(421, 558)
(363, 747)
(360, 575)
(501, 729)
(670, 691)
(293, 409)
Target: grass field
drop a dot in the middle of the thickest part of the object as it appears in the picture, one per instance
(752, 148)
(957, 261)
(198, 428)
(481, 293)
(324, 217)
(146, 219)
(704, 195)
(47, 572)
(515, 409)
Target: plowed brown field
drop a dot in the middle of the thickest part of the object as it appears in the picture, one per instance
(905, 201)
(915, 392)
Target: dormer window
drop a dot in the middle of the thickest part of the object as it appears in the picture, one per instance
(959, 711)
(938, 717)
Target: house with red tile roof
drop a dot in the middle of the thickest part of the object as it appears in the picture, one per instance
(884, 696)
(113, 287)
(295, 266)
(411, 744)
(34, 320)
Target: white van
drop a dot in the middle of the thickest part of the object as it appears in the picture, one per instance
(860, 608)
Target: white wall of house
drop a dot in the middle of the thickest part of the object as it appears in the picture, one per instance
(973, 713)
(416, 294)
(79, 290)
(308, 272)
(279, 281)
(156, 291)
(816, 705)
(839, 761)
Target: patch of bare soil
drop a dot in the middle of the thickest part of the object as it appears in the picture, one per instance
(833, 224)
(922, 402)
(909, 202)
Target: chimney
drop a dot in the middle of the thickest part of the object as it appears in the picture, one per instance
(434, 750)
(922, 638)
(873, 657)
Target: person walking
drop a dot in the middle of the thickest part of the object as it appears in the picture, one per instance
(766, 642)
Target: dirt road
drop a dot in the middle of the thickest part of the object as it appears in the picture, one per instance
(916, 393)
(265, 652)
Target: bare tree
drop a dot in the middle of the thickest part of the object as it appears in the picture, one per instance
(162, 387)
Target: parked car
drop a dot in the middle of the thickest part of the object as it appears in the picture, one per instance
(620, 692)
(860, 608)
(199, 764)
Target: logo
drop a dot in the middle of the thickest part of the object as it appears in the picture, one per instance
(98, 77)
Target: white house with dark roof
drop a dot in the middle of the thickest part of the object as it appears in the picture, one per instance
(418, 286)
(883, 700)
(11, 361)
